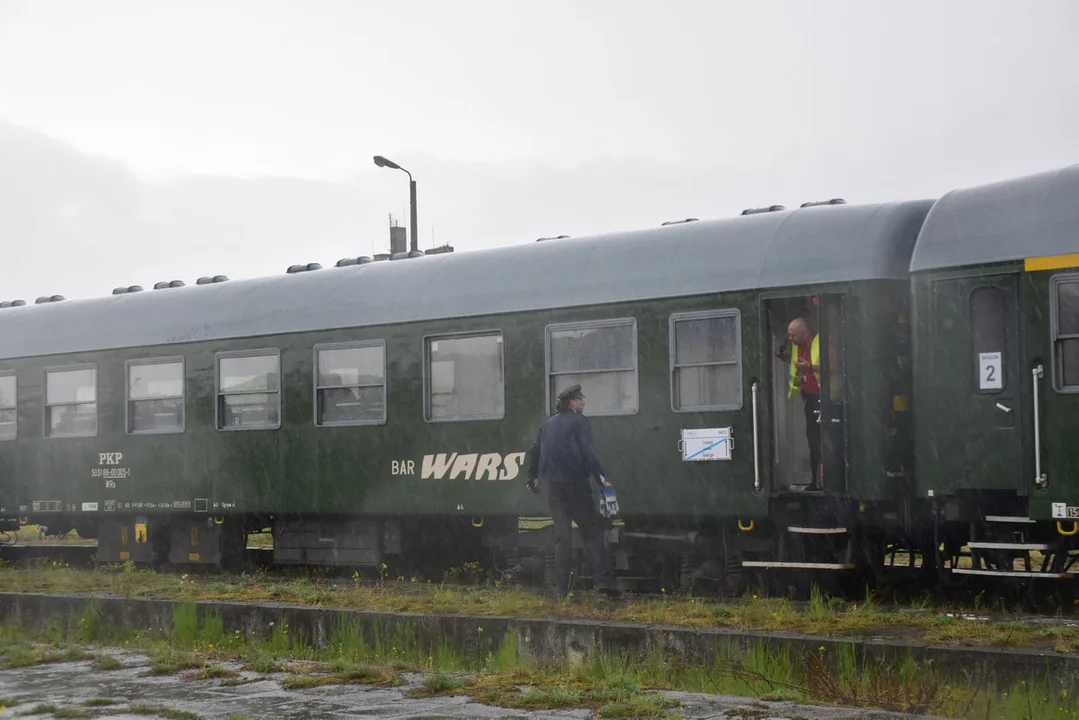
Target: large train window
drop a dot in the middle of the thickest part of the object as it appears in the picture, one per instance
(8, 406)
(706, 364)
(988, 317)
(465, 377)
(155, 395)
(601, 357)
(350, 383)
(1066, 332)
(71, 401)
(249, 390)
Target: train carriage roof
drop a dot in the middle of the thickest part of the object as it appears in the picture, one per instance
(768, 250)
(1027, 217)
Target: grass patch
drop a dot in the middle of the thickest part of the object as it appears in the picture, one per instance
(215, 671)
(56, 711)
(165, 661)
(107, 662)
(165, 712)
(98, 702)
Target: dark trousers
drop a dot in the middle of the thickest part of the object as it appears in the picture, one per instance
(573, 502)
(812, 410)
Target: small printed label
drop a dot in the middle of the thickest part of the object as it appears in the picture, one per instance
(89, 507)
(1060, 510)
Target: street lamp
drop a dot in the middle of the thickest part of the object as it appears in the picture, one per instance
(383, 162)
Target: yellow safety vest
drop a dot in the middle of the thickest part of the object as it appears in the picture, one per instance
(796, 374)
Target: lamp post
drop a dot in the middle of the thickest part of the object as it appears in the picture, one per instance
(383, 162)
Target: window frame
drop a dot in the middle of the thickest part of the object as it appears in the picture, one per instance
(15, 376)
(550, 402)
(1006, 378)
(427, 380)
(259, 352)
(672, 347)
(349, 345)
(1055, 338)
(128, 364)
(45, 430)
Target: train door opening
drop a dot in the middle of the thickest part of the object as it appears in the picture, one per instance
(809, 415)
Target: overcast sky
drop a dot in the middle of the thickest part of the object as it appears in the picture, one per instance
(144, 141)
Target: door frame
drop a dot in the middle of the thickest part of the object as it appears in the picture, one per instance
(771, 375)
(1014, 341)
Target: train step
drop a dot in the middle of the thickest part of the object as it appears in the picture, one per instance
(818, 530)
(1013, 573)
(1008, 519)
(782, 564)
(1010, 546)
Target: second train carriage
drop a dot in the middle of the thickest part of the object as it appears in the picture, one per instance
(996, 302)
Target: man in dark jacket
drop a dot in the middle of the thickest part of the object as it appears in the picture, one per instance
(564, 456)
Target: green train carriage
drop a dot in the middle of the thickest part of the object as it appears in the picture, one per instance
(380, 411)
(996, 301)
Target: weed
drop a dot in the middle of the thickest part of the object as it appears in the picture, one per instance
(107, 662)
(168, 713)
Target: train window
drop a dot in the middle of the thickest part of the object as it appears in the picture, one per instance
(249, 390)
(155, 395)
(989, 324)
(706, 366)
(465, 378)
(71, 402)
(1066, 331)
(350, 385)
(601, 357)
(8, 405)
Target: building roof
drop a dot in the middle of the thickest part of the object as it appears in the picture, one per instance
(775, 249)
(1031, 216)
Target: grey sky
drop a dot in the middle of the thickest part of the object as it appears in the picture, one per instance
(144, 141)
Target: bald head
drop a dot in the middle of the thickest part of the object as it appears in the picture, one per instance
(798, 331)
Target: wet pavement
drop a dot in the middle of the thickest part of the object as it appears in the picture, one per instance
(67, 686)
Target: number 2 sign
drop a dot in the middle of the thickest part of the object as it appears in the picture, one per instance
(990, 370)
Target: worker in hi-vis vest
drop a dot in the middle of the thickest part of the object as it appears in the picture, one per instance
(805, 376)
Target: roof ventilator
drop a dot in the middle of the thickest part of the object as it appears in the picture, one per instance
(406, 255)
(164, 284)
(679, 222)
(557, 237)
(833, 201)
(361, 260)
(126, 290)
(207, 280)
(770, 208)
(309, 267)
(48, 299)
(12, 303)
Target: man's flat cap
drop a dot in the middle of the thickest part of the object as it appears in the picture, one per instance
(573, 392)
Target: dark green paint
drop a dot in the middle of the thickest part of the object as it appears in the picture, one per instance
(303, 469)
(965, 442)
